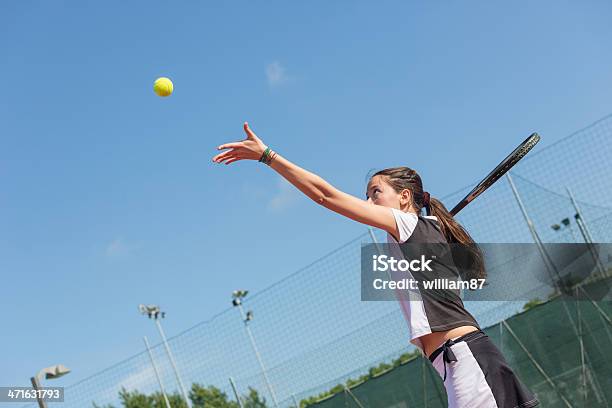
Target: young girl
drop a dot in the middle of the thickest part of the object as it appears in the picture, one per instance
(474, 371)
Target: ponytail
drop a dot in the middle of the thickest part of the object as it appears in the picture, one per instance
(467, 255)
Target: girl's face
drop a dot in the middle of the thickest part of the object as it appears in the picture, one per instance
(381, 193)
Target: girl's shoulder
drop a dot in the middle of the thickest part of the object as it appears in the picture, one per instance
(407, 223)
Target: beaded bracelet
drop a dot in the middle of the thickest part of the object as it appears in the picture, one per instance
(264, 155)
(267, 156)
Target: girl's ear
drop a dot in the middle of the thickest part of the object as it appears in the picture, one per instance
(405, 197)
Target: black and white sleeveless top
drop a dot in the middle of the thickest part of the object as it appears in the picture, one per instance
(426, 311)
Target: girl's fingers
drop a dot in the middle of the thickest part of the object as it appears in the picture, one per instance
(224, 156)
(230, 145)
(220, 156)
(233, 160)
(231, 152)
(224, 160)
(249, 132)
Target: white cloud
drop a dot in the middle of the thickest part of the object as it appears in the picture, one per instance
(287, 195)
(142, 380)
(275, 73)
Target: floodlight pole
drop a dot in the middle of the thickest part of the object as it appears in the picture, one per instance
(159, 381)
(153, 311)
(171, 357)
(550, 266)
(586, 234)
(36, 384)
(237, 302)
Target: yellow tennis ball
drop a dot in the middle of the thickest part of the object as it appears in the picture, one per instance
(163, 86)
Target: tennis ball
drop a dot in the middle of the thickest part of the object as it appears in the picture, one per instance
(163, 86)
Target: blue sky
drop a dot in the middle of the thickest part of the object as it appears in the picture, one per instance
(109, 198)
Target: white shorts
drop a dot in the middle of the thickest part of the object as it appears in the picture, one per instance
(476, 375)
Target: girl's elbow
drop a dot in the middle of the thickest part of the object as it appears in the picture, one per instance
(321, 199)
(331, 203)
(326, 200)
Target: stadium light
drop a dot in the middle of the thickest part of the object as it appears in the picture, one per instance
(49, 373)
(566, 225)
(151, 311)
(238, 295)
(55, 371)
(154, 312)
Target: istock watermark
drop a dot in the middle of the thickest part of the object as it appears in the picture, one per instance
(490, 272)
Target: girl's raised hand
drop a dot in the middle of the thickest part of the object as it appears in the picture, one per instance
(250, 148)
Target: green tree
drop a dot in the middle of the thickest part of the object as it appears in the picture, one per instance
(136, 399)
(200, 396)
(176, 400)
(209, 397)
(253, 400)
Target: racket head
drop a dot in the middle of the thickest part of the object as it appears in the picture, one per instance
(502, 168)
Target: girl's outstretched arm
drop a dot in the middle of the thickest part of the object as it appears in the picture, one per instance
(317, 189)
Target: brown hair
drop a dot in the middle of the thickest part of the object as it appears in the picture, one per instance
(405, 178)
